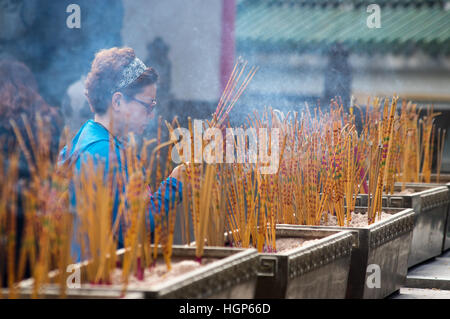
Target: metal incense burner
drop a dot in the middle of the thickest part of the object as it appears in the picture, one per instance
(444, 180)
(430, 205)
(317, 270)
(386, 244)
(233, 275)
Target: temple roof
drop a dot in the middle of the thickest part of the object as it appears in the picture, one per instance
(406, 25)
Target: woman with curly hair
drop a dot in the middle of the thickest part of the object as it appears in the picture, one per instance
(121, 91)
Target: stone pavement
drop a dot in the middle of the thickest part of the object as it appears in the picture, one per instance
(428, 280)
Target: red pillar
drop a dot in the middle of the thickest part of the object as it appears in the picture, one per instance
(227, 41)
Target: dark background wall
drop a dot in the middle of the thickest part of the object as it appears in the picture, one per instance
(35, 32)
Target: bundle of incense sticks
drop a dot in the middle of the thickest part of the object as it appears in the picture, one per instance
(393, 156)
(95, 197)
(215, 232)
(262, 221)
(203, 204)
(427, 145)
(327, 163)
(8, 208)
(185, 219)
(137, 239)
(48, 223)
(387, 134)
(354, 166)
(413, 141)
(257, 201)
(228, 206)
(241, 204)
(303, 175)
(199, 179)
(409, 147)
(409, 154)
(232, 92)
(165, 218)
(337, 162)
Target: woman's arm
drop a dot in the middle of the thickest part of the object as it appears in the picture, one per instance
(171, 189)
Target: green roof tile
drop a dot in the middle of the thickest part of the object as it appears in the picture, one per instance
(287, 24)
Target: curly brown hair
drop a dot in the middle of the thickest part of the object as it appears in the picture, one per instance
(106, 71)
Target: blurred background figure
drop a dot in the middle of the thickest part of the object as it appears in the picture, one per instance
(19, 97)
(75, 106)
(158, 58)
(36, 33)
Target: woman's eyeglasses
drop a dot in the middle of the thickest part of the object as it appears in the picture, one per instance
(148, 106)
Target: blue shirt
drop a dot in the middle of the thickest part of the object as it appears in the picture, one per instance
(93, 141)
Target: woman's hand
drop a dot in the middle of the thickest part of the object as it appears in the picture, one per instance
(178, 172)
